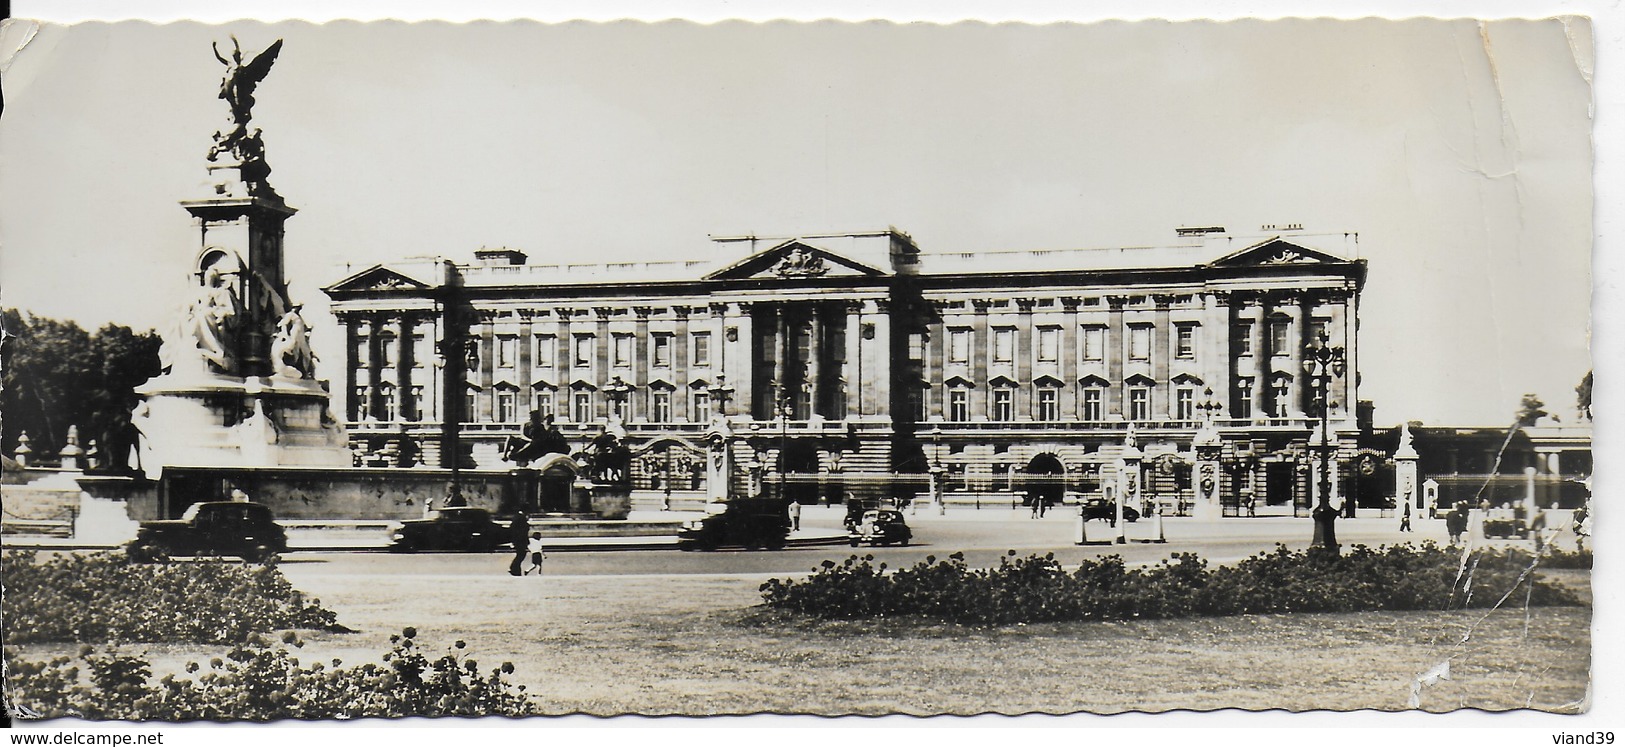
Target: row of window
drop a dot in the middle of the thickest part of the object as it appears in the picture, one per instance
(1092, 398)
(584, 350)
(1093, 340)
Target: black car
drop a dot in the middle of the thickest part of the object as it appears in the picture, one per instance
(458, 529)
(742, 522)
(880, 526)
(1100, 508)
(211, 528)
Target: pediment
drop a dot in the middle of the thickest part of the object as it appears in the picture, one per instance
(378, 278)
(1093, 380)
(958, 382)
(1276, 251)
(1002, 381)
(1186, 379)
(1047, 380)
(795, 260)
(1140, 380)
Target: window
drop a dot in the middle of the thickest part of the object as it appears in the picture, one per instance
(1320, 329)
(1139, 342)
(662, 351)
(1280, 337)
(1049, 344)
(507, 406)
(1092, 404)
(621, 352)
(1094, 343)
(1139, 403)
(471, 406)
(621, 408)
(837, 346)
(840, 403)
(362, 355)
(542, 356)
(1185, 404)
(702, 349)
(1004, 345)
(507, 351)
(421, 352)
(386, 349)
(1244, 398)
(1242, 332)
(702, 406)
(661, 405)
(1281, 393)
(360, 408)
(411, 409)
(544, 403)
(958, 404)
(581, 407)
(916, 346)
(1049, 404)
(1004, 409)
(584, 351)
(959, 346)
(916, 403)
(1185, 341)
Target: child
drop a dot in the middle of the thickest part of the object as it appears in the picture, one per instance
(537, 554)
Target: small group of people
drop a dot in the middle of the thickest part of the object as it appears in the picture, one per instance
(1039, 506)
(527, 546)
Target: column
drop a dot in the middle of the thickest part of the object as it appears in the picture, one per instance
(853, 370)
(564, 354)
(1115, 340)
(1298, 308)
(736, 329)
(404, 402)
(375, 365)
(527, 340)
(352, 403)
(885, 350)
(1333, 304)
(488, 364)
(1214, 345)
(601, 367)
(980, 352)
(1162, 394)
(642, 360)
(1069, 360)
(1261, 356)
(1026, 350)
(815, 367)
(936, 366)
(680, 375)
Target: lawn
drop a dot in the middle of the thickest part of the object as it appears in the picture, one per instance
(701, 645)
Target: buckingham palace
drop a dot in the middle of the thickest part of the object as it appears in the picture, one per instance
(832, 359)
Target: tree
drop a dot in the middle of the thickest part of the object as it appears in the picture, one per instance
(1583, 396)
(58, 375)
(1530, 411)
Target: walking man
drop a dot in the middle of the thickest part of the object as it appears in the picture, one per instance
(795, 516)
(520, 531)
(1405, 519)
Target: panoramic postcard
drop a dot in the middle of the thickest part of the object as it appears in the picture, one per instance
(360, 370)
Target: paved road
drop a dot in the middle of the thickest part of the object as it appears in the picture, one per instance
(983, 537)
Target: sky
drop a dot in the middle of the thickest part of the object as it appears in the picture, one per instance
(1460, 152)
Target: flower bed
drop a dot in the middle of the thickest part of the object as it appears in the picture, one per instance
(103, 597)
(1036, 589)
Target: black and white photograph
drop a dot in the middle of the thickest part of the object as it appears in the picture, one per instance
(366, 369)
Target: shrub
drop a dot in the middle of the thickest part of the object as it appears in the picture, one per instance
(103, 597)
(258, 681)
(1036, 589)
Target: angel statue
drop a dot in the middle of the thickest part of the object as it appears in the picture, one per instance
(291, 355)
(237, 90)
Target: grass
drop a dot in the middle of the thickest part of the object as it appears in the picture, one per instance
(702, 646)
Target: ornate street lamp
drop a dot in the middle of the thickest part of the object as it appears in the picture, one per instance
(939, 473)
(617, 391)
(1322, 363)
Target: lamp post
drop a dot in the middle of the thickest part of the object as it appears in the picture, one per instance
(786, 407)
(939, 473)
(1322, 363)
(617, 390)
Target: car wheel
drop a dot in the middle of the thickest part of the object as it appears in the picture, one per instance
(259, 554)
(903, 542)
(852, 542)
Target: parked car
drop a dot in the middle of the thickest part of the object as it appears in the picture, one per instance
(880, 526)
(236, 528)
(458, 529)
(1100, 508)
(742, 522)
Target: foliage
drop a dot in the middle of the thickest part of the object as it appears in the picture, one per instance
(1582, 396)
(104, 597)
(1530, 411)
(258, 681)
(1036, 589)
(58, 375)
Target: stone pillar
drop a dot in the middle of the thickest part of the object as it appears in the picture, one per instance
(1405, 482)
(882, 351)
(1129, 484)
(1213, 346)
(601, 362)
(1026, 349)
(1205, 478)
(522, 367)
(1261, 357)
(1070, 331)
(936, 363)
(406, 407)
(853, 371)
(642, 359)
(815, 368)
(980, 352)
(1162, 395)
(375, 367)
(1297, 338)
(680, 375)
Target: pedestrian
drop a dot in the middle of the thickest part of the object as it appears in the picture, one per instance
(520, 532)
(1405, 519)
(1250, 503)
(1537, 527)
(795, 516)
(1456, 522)
(238, 495)
(1582, 529)
(538, 553)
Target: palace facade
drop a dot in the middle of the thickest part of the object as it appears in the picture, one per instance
(829, 361)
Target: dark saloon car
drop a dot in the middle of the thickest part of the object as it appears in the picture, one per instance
(1100, 508)
(880, 526)
(459, 529)
(211, 528)
(742, 522)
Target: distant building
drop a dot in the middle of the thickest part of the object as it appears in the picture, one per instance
(846, 355)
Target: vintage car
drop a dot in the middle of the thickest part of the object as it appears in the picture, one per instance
(456, 529)
(742, 522)
(880, 526)
(236, 528)
(1100, 508)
